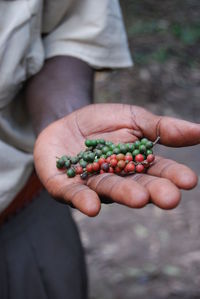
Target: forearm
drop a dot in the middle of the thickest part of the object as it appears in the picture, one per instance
(63, 85)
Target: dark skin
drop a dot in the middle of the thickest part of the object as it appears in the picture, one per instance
(50, 94)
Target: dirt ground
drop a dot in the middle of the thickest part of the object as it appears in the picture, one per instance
(150, 253)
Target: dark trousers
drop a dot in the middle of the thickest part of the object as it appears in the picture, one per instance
(41, 255)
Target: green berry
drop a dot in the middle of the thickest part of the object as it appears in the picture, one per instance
(123, 148)
(103, 156)
(137, 144)
(85, 156)
(91, 157)
(135, 152)
(98, 153)
(83, 163)
(144, 141)
(101, 141)
(109, 143)
(142, 149)
(71, 172)
(105, 149)
(108, 154)
(93, 142)
(99, 146)
(130, 147)
(149, 144)
(88, 142)
(116, 150)
(67, 163)
(80, 155)
(149, 152)
(112, 146)
(74, 160)
(60, 164)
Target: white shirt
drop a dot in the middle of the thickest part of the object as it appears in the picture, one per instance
(30, 32)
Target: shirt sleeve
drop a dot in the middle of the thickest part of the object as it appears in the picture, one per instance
(92, 31)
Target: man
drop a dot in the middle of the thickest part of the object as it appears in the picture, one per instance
(48, 53)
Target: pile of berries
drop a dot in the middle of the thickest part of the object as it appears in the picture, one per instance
(102, 156)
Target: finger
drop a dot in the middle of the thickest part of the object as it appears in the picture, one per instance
(172, 131)
(120, 190)
(181, 175)
(82, 198)
(163, 193)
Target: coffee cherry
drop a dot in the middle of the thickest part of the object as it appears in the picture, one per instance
(139, 158)
(117, 169)
(113, 162)
(120, 157)
(79, 170)
(130, 167)
(121, 164)
(109, 153)
(74, 160)
(139, 168)
(108, 160)
(89, 168)
(149, 152)
(105, 167)
(88, 142)
(101, 161)
(137, 144)
(98, 152)
(105, 149)
(60, 164)
(150, 158)
(122, 148)
(128, 158)
(142, 148)
(135, 152)
(67, 163)
(111, 170)
(149, 144)
(84, 175)
(71, 172)
(95, 166)
(130, 147)
(144, 141)
(83, 163)
(116, 151)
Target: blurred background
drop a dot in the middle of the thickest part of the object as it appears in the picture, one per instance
(150, 253)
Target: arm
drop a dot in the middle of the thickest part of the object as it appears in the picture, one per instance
(63, 85)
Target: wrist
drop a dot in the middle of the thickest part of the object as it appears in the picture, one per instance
(63, 85)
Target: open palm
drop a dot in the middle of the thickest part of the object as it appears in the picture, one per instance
(117, 123)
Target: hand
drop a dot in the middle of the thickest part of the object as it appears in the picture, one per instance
(118, 123)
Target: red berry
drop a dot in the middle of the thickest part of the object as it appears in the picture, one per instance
(79, 170)
(101, 160)
(111, 170)
(105, 167)
(101, 171)
(139, 168)
(113, 156)
(108, 159)
(95, 166)
(120, 157)
(128, 158)
(150, 158)
(130, 167)
(117, 169)
(121, 164)
(139, 158)
(89, 168)
(113, 162)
